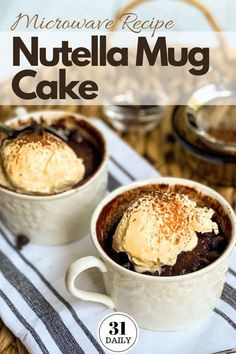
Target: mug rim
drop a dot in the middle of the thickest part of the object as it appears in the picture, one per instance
(71, 191)
(171, 181)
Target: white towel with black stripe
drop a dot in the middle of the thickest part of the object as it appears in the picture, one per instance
(35, 305)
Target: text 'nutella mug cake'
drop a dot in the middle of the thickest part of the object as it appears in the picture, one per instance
(164, 248)
(50, 186)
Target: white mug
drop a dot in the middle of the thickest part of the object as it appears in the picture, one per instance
(59, 218)
(156, 303)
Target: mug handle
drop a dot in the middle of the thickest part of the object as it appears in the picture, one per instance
(74, 271)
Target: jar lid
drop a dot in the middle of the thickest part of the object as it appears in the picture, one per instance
(211, 116)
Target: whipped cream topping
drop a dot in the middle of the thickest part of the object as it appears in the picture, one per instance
(39, 163)
(158, 226)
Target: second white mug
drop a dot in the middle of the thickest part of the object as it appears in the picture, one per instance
(58, 218)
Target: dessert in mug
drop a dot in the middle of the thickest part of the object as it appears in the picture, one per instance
(53, 167)
(38, 162)
(159, 240)
(166, 232)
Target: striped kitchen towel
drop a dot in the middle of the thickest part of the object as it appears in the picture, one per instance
(35, 305)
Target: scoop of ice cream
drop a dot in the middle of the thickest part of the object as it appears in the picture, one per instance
(39, 163)
(158, 226)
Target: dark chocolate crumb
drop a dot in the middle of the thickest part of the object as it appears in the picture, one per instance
(21, 241)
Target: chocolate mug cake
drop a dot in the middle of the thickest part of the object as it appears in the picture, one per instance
(164, 231)
(155, 241)
(37, 161)
(53, 173)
